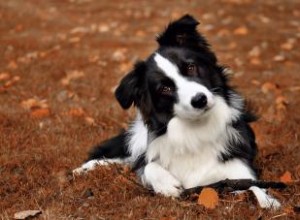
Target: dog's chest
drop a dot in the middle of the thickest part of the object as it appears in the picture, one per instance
(189, 152)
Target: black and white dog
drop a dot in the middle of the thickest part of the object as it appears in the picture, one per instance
(191, 127)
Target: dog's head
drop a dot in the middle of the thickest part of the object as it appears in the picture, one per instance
(180, 79)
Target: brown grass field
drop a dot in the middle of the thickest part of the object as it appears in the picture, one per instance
(60, 61)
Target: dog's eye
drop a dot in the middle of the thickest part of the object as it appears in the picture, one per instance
(165, 90)
(191, 69)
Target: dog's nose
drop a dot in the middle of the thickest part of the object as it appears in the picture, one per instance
(199, 101)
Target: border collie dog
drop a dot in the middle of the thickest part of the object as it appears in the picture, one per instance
(191, 127)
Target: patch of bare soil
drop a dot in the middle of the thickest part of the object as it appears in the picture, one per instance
(59, 64)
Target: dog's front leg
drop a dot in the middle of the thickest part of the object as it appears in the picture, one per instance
(161, 180)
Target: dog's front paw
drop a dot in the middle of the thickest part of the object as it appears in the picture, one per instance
(161, 180)
(168, 187)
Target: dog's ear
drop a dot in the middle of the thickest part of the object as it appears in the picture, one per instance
(129, 89)
(182, 32)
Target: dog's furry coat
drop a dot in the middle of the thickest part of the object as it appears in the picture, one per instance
(191, 127)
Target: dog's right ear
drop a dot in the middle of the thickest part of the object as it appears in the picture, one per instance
(129, 90)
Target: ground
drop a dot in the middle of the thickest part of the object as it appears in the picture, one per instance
(59, 64)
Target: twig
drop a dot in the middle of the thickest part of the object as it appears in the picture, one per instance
(230, 185)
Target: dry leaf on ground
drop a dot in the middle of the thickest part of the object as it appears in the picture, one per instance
(208, 198)
(286, 177)
(90, 120)
(4, 76)
(12, 65)
(241, 31)
(34, 103)
(75, 74)
(289, 44)
(76, 112)
(269, 87)
(40, 113)
(27, 214)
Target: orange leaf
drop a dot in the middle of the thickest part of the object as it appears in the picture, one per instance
(241, 31)
(76, 112)
(90, 120)
(75, 74)
(4, 76)
(269, 87)
(12, 65)
(40, 113)
(208, 198)
(286, 177)
(34, 103)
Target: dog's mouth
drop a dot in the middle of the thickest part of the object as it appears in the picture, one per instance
(194, 114)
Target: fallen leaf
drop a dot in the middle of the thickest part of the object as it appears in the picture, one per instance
(125, 67)
(241, 31)
(102, 28)
(4, 76)
(279, 58)
(286, 177)
(34, 103)
(269, 87)
(61, 36)
(16, 78)
(119, 55)
(208, 198)
(76, 112)
(232, 45)
(93, 58)
(80, 30)
(264, 19)
(140, 33)
(75, 74)
(40, 113)
(255, 61)
(12, 65)
(289, 44)
(8, 84)
(255, 82)
(74, 39)
(27, 214)
(11, 82)
(294, 88)
(254, 52)
(281, 102)
(223, 32)
(90, 121)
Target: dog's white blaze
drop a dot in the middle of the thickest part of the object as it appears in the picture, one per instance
(186, 89)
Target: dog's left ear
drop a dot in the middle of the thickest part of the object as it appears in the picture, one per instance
(128, 92)
(182, 32)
